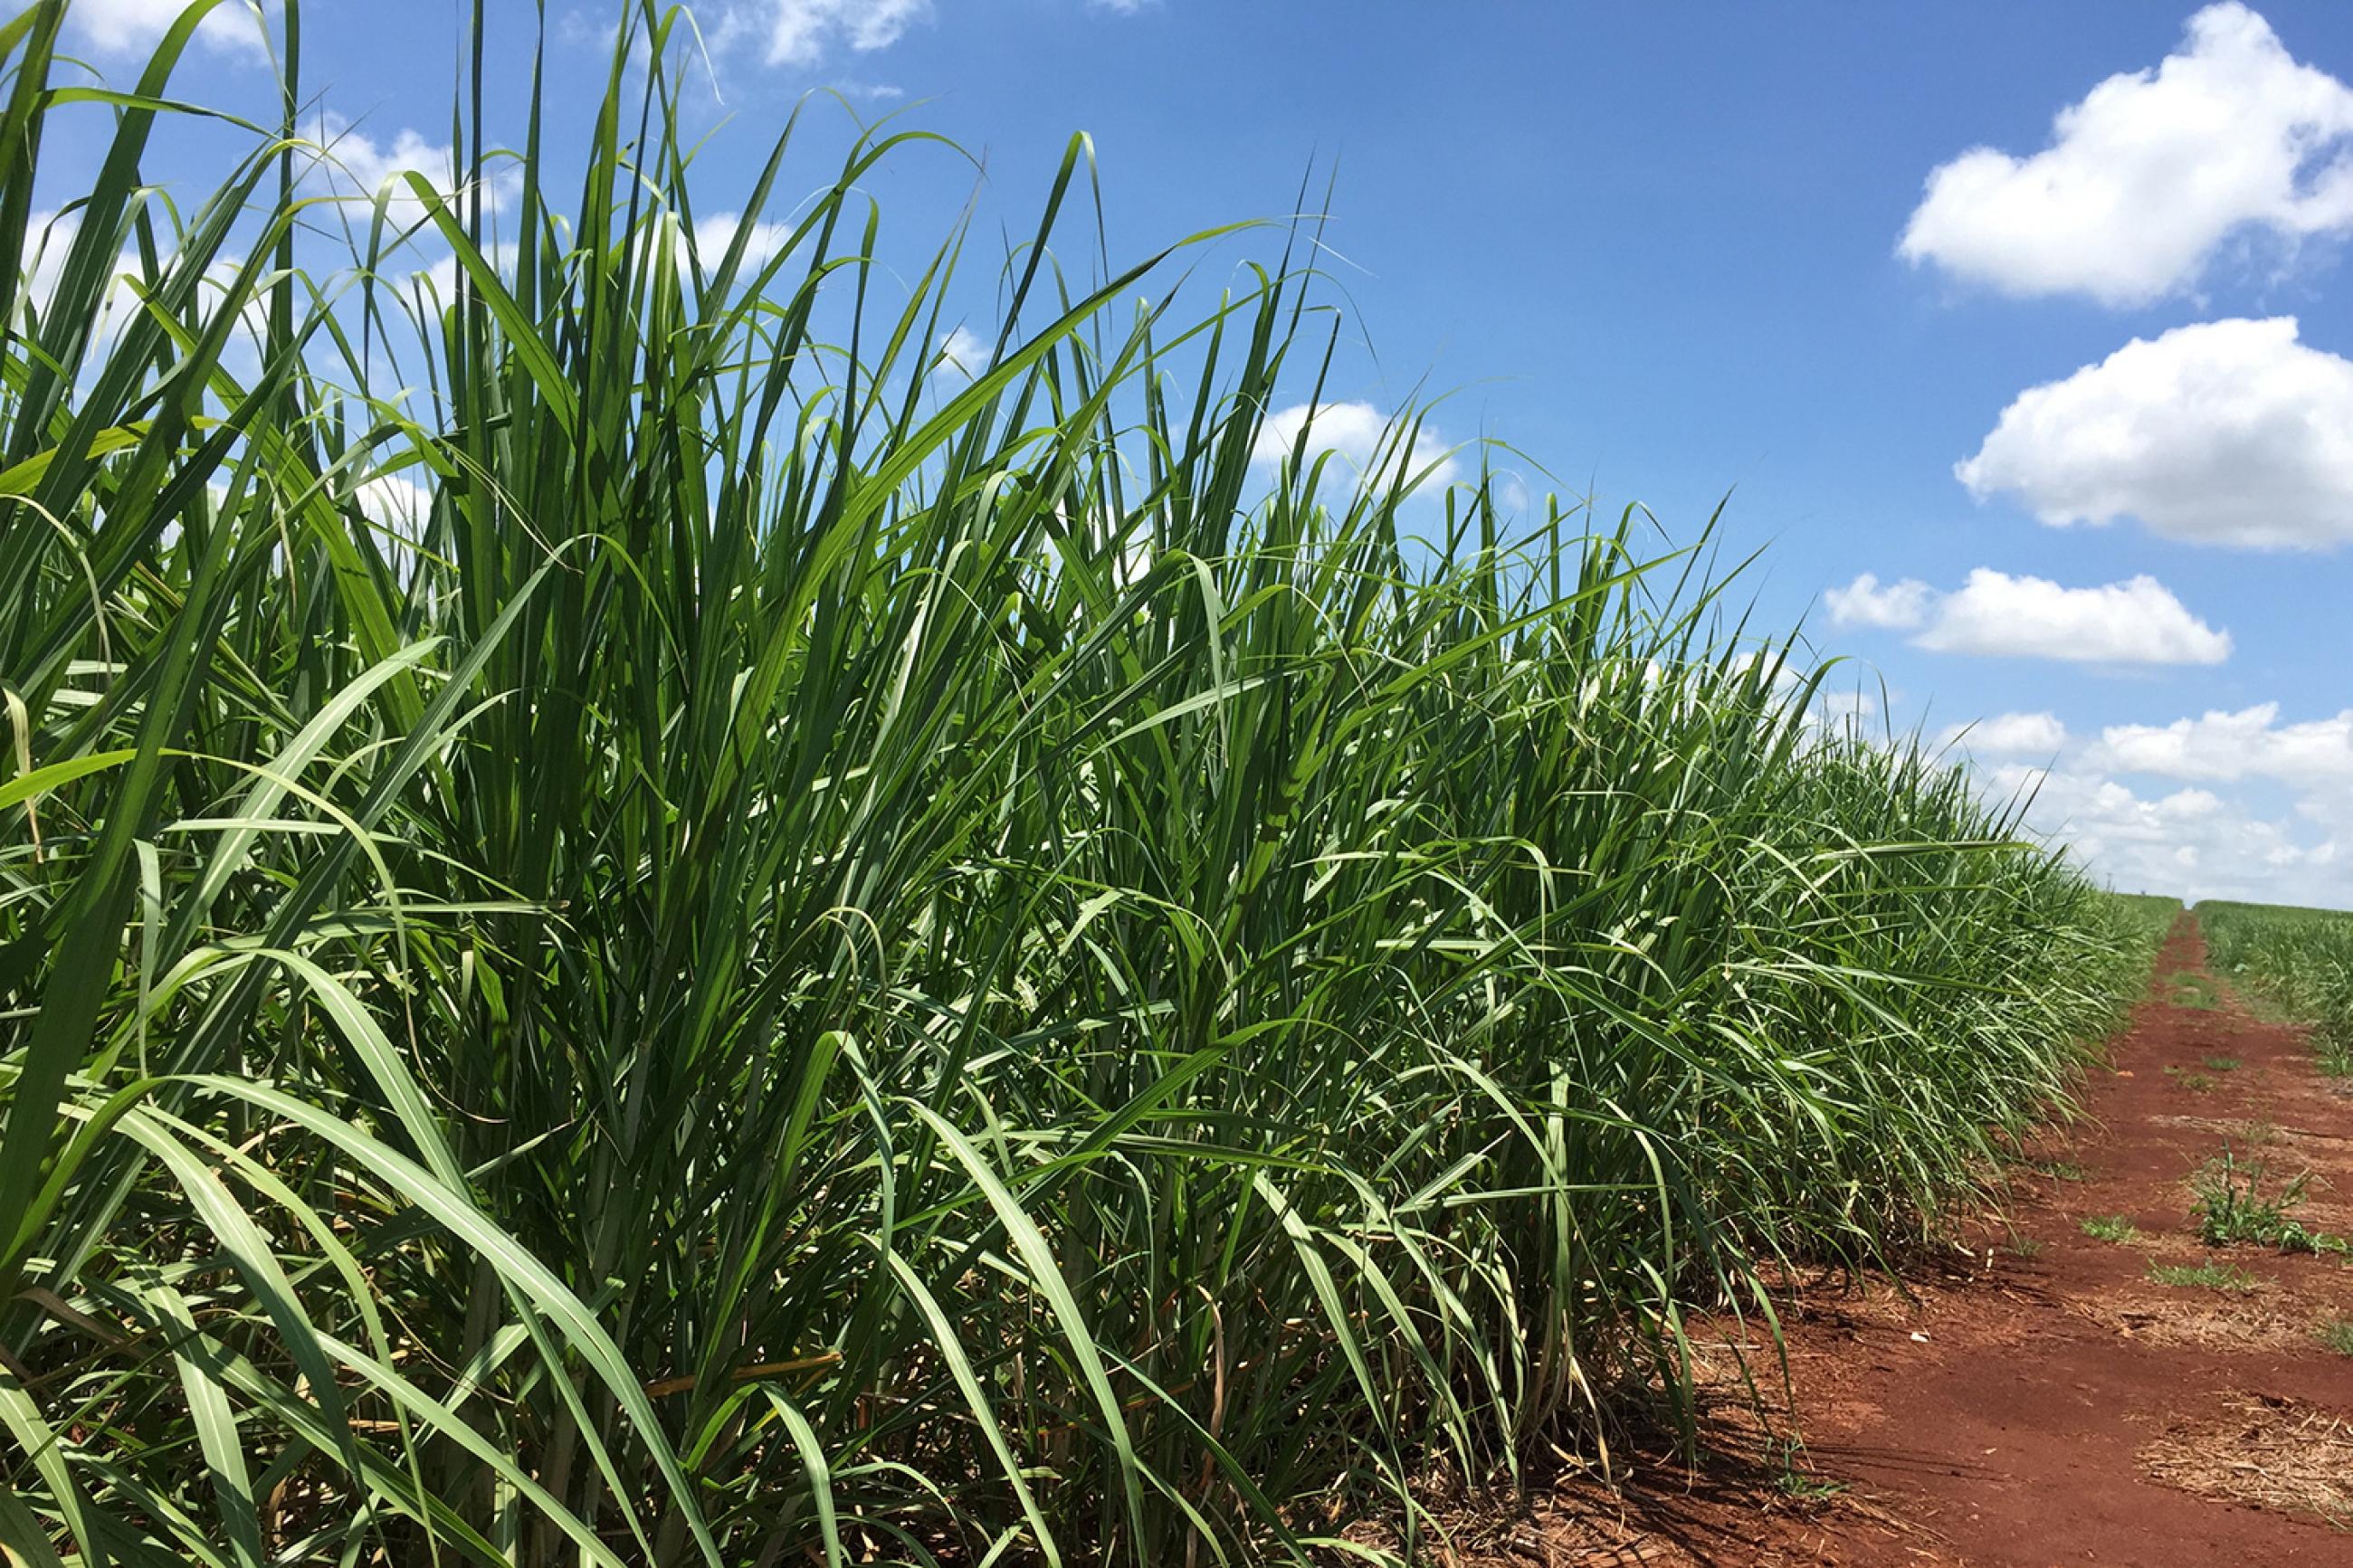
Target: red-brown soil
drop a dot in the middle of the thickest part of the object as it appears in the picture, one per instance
(2039, 1399)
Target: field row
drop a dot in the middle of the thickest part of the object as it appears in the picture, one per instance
(806, 957)
(2300, 962)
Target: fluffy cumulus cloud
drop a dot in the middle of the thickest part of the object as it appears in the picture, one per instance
(2229, 432)
(963, 354)
(2134, 622)
(2222, 747)
(2225, 805)
(394, 502)
(1358, 432)
(2202, 815)
(804, 32)
(2010, 734)
(135, 26)
(712, 236)
(762, 240)
(49, 241)
(356, 168)
(2148, 177)
(441, 277)
(2189, 842)
(1866, 603)
(1856, 713)
(2138, 621)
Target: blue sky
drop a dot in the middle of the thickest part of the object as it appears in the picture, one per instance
(2023, 333)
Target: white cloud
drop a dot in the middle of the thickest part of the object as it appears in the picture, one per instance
(1863, 603)
(800, 32)
(442, 275)
(1845, 714)
(49, 241)
(2191, 843)
(962, 355)
(400, 508)
(135, 26)
(1358, 432)
(714, 234)
(2216, 826)
(2010, 734)
(2222, 747)
(354, 167)
(804, 33)
(2134, 622)
(2201, 834)
(2147, 177)
(394, 502)
(2227, 432)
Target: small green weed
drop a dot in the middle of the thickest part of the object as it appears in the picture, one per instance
(1809, 1489)
(2191, 989)
(2334, 1055)
(2232, 1208)
(2113, 1228)
(2057, 1170)
(2337, 1333)
(2220, 1064)
(2207, 1276)
(1795, 1480)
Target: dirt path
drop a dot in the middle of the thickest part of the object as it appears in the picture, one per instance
(2047, 1401)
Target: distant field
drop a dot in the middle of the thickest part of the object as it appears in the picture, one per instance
(2149, 912)
(2298, 961)
(2227, 909)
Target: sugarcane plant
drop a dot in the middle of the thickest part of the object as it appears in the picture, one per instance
(644, 921)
